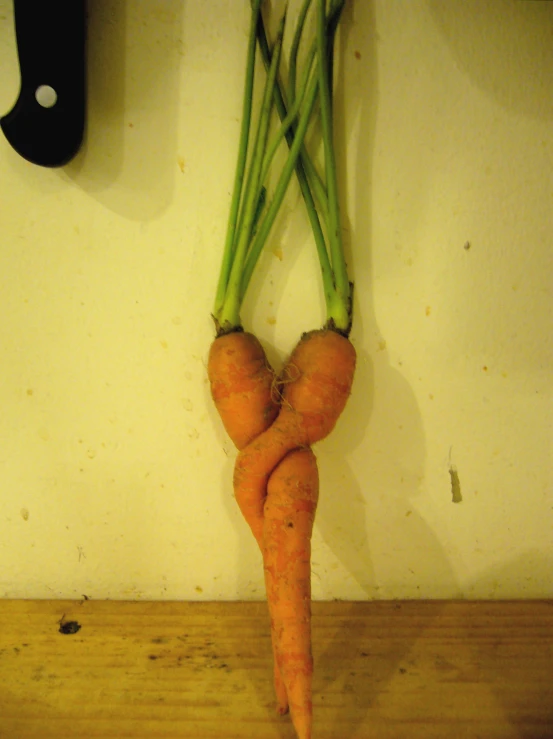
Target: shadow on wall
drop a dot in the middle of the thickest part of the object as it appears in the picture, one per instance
(382, 420)
(504, 48)
(129, 156)
(511, 580)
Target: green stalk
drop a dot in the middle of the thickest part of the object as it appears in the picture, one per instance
(229, 313)
(290, 117)
(226, 263)
(294, 49)
(308, 177)
(333, 18)
(281, 187)
(252, 190)
(316, 183)
(249, 227)
(301, 166)
(340, 313)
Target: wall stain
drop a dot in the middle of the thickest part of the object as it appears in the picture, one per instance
(456, 496)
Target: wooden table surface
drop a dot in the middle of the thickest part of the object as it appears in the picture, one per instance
(197, 670)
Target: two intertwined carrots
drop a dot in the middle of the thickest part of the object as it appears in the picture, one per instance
(273, 421)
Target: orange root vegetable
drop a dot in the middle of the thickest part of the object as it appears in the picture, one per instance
(289, 512)
(242, 383)
(243, 390)
(276, 479)
(316, 384)
(242, 386)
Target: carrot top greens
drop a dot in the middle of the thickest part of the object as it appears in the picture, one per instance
(305, 99)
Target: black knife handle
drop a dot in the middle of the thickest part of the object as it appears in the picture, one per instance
(46, 124)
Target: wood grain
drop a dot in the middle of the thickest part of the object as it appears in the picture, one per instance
(165, 670)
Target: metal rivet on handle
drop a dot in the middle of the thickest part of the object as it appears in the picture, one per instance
(46, 96)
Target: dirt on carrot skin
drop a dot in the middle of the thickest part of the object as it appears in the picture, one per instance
(242, 386)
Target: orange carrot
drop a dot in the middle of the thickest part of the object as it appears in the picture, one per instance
(316, 384)
(243, 389)
(242, 386)
(276, 481)
(289, 512)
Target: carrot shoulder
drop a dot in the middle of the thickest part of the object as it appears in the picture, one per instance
(242, 386)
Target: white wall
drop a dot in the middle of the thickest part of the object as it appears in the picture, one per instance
(115, 473)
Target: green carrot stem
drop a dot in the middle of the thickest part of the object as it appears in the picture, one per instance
(228, 314)
(306, 171)
(333, 19)
(280, 190)
(334, 234)
(254, 181)
(261, 200)
(302, 165)
(290, 117)
(294, 49)
(340, 313)
(226, 263)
